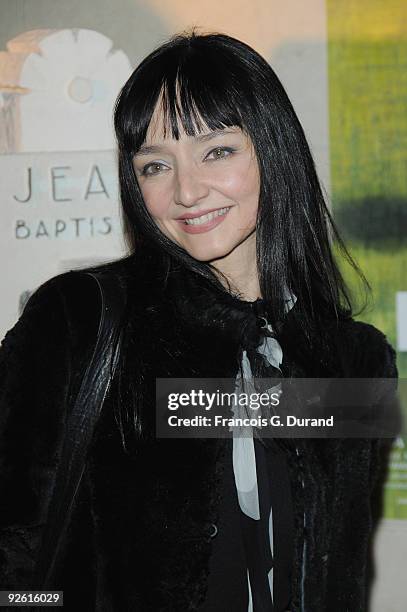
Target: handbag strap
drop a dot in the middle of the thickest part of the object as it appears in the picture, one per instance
(81, 424)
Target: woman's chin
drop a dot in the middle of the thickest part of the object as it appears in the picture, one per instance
(207, 253)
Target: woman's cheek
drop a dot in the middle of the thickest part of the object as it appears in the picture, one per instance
(156, 201)
(240, 184)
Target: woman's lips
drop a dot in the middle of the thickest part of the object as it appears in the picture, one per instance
(202, 227)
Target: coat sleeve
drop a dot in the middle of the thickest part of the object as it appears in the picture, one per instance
(37, 359)
(386, 403)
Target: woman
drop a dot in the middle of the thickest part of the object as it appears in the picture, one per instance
(230, 275)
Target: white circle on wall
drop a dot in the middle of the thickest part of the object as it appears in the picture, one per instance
(80, 89)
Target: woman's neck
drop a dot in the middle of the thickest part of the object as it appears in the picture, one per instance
(240, 267)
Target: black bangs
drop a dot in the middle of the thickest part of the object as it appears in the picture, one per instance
(192, 89)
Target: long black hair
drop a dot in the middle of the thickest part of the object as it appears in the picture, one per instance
(227, 83)
(224, 82)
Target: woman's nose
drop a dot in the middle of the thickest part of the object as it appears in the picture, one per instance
(189, 186)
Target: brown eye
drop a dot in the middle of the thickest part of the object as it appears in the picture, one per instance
(155, 167)
(219, 152)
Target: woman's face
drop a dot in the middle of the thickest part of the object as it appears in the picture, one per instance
(212, 180)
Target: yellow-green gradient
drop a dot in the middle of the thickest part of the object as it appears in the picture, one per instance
(367, 68)
(367, 54)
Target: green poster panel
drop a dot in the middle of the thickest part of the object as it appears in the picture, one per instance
(367, 57)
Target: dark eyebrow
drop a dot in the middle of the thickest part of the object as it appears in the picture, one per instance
(150, 149)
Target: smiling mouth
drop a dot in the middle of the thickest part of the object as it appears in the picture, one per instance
(206, 218)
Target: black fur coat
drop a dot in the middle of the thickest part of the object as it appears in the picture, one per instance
(140, 534)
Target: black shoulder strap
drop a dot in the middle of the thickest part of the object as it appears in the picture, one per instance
(82, 420)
